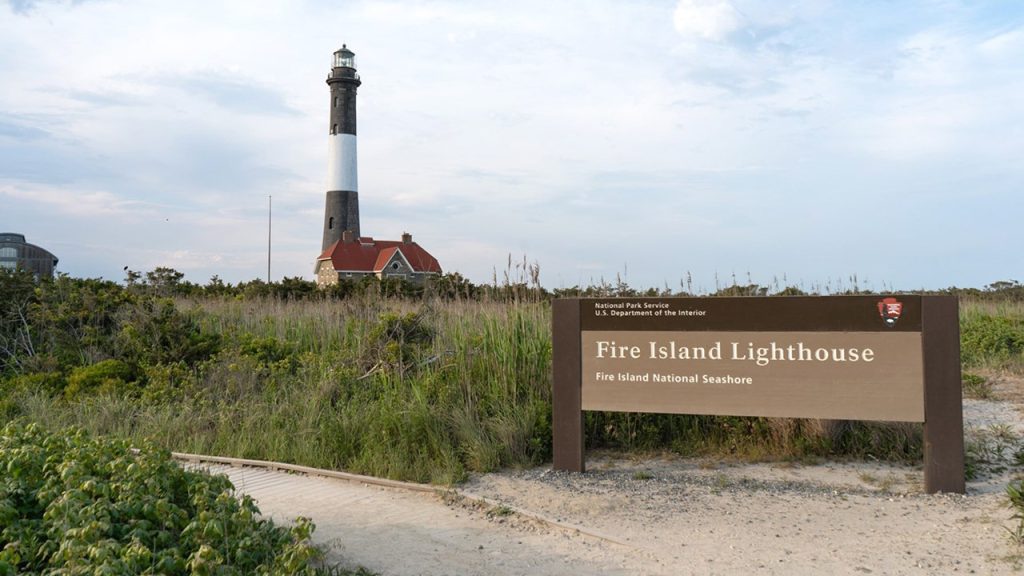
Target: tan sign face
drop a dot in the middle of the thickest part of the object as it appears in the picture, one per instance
(839, 375)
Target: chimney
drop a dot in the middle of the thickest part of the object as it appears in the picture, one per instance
(348, 237)
(406, 238)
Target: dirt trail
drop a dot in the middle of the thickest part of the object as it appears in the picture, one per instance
(674, 516)
(397, 532)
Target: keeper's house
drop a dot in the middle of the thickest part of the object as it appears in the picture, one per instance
(352, 258)
(15, 253)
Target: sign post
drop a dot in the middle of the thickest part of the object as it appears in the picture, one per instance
(842, 357)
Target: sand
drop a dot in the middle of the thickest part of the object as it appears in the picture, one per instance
(670, 515)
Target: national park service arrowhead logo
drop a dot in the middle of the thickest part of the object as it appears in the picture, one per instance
(890, 310)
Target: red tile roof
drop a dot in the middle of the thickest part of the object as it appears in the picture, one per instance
(369, 255)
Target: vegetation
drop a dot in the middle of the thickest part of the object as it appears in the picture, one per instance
(382, 378)
(1015, 492)
(72, 504)
(976, 387)
(992, 335)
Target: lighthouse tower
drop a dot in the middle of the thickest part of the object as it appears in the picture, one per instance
(342, 211)
(346, 255)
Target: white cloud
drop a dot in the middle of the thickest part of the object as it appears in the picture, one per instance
(707, 19)
(186, 259)
(83, 203)
(1005, 44)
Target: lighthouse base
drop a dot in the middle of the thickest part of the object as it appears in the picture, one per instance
(341, 214)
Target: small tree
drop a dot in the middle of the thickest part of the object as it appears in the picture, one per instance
(165, 281)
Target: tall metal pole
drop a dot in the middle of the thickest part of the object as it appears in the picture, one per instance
(270, 212)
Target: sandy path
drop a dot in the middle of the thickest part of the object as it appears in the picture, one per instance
(397, 532)
(674, 516)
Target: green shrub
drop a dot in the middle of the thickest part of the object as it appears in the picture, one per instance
(112, 376)
(153, 331)
(50, 383)
(398, 340)
(164, 382)
(266, 350)
(71, 504)
(987, 340)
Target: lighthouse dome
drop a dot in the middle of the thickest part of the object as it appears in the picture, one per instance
(344, 58)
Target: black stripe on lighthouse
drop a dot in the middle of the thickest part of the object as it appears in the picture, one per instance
(342, 210)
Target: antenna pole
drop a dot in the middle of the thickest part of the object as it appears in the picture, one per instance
(270, 212)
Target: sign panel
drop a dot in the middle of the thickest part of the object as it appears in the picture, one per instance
(853, 358)
(888, 358)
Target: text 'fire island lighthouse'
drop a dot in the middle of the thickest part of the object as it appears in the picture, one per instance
(346, 255)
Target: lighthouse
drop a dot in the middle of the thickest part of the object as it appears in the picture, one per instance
(347, 255)
(342, 211)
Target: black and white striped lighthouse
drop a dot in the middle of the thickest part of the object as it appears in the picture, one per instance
(342, 211)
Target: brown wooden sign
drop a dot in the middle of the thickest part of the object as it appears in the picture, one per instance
(890, 358)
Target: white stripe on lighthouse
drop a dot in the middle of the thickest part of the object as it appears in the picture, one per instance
(341, 167)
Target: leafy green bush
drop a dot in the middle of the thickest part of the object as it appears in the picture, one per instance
(112, 376)
(64, 322)
(50, 383)
(153, 331)
(398, 340)
(991, 340)
(71, 504)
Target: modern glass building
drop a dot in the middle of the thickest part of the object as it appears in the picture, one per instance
(16, 253)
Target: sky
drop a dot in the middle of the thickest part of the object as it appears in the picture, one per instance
(813, 143)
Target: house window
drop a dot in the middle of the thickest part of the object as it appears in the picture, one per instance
(394, 266)
(334, 129)
(8, 252)
(330, 223)
(335, 101)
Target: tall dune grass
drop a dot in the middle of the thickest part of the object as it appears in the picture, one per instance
(424, 391)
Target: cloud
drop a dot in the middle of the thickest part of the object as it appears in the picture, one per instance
(32, 154)
(186, 259)
(81, 203)
(707, 19)
(25, 7)
(105, 98)
(18, 131)
(1009, 44)
(236, 94)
